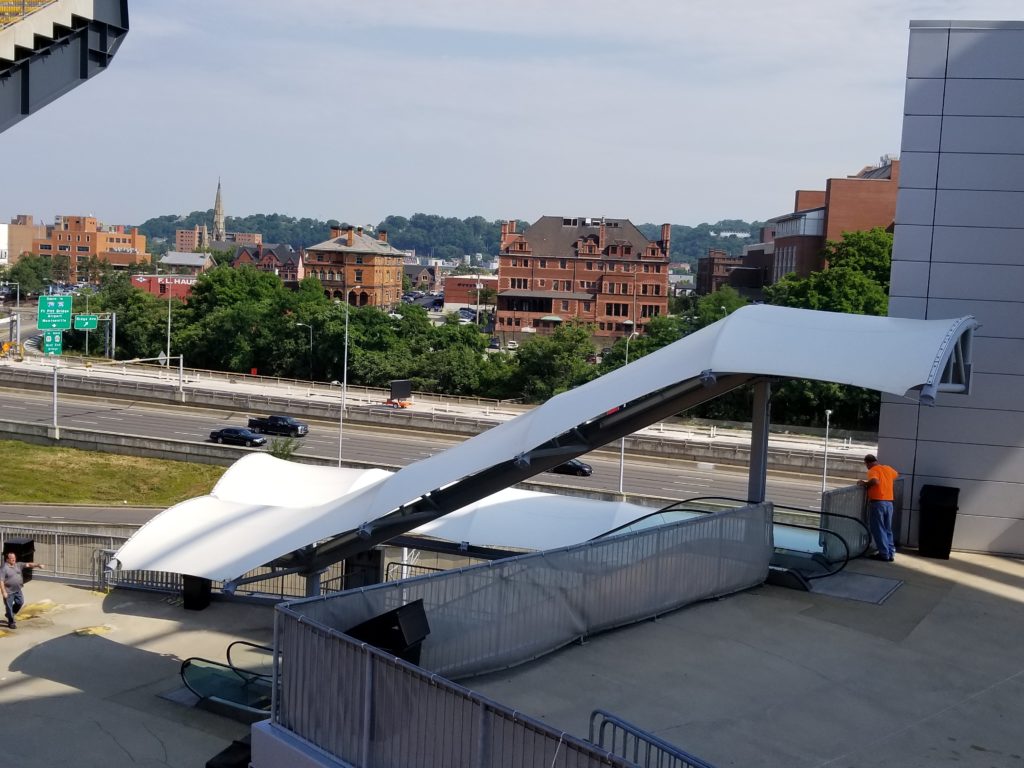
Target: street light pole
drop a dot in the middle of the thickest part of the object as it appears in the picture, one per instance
(622, 440)
(824, 463)
(307, 325)
(168, 327)
(344, 376)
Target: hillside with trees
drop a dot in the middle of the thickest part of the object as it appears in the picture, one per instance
(443, 237)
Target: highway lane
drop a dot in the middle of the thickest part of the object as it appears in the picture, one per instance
(390, 448)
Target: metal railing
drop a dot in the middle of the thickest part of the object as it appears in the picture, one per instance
(638, 746)
(13, 11)
(367, 708)
(851, 501)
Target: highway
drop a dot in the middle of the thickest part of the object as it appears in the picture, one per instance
(390, 448)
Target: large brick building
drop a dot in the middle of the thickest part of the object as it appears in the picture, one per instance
(357, 267)
(597, 270)
(713, 270)
(81, 238)
(794, 242)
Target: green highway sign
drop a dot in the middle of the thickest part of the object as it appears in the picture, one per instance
(53, 343)
(86, 322)
(54, 313)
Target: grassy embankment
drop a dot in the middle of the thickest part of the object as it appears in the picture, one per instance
(44, 475)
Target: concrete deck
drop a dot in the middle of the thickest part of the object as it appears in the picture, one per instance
(83, 675)
(771, 677)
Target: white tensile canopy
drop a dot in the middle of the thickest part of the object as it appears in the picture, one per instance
(263, 508)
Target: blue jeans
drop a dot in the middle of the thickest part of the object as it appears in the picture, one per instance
(13, 604)
(880, 523)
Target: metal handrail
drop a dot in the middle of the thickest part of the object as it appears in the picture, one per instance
(647, 750)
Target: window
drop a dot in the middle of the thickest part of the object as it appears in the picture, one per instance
(586, 306)
(643, 289)
(563, 263)
(540, 283)
(543, 263)
(359, 276)
(616, 310)
(82, 248)
(565, 306)
(526, 262)
(163, 288)
(590, 265)
(359, 259)
(45, 247)
(518, 283)
(63, 247)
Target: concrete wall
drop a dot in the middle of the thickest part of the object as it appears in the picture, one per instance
(959, 249)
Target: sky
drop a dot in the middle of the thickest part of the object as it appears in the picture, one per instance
(680, 111)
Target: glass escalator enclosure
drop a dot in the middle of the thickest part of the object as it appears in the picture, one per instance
(212, 680)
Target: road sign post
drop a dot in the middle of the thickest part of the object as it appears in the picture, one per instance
(86, 322)
(54, 313)
(53, 342)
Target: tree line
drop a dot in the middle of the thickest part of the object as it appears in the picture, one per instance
(244, 319)
(439, 237)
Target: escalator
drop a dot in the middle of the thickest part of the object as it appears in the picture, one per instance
(231, 689)
(808, 544)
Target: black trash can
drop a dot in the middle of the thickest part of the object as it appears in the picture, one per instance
(195, 592)
(25, 550)
(937, 507)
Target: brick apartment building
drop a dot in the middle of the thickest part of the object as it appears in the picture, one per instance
(357, 267)
(279, 258)
(597, 270)
(794, 242)
(81, 238)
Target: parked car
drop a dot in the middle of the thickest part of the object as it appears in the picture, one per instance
(237, 436)
(279, 425)
(495, 343)
(573, 467)
(512, 345)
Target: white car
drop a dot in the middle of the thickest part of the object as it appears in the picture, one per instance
(512, 345)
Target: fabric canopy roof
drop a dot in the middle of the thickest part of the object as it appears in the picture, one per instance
(261, 510)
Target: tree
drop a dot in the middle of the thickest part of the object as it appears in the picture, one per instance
(31, 272)
(715, 306)
(869, 253)
(552, 364)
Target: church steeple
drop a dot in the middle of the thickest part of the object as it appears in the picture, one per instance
(219, 233)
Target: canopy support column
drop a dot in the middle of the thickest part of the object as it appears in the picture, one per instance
(758, 478)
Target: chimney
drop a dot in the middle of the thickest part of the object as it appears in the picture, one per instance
(666, 237)
(382, 235)
(351, 236)
(508, 228)
(335, 233)
(600, 236)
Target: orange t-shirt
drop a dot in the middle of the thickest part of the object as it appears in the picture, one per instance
(882, 490)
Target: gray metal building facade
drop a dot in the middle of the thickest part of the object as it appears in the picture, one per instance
(959, 249)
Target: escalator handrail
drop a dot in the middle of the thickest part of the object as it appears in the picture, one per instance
(257, 646)
(818, 513)
(246, 676)
(846, 546)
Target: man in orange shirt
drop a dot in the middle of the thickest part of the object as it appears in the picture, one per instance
(880, 495)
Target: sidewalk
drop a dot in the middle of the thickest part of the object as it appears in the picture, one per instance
(83, 675)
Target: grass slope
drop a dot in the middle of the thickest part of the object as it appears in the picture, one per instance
(50, 475)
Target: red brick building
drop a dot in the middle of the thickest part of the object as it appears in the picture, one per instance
(795, 242)
(177, 286)
(596, 270)
(357, 267)
(713, 270)
(281, 259)
(81, 238)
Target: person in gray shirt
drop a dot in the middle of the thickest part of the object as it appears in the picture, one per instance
(12, 579)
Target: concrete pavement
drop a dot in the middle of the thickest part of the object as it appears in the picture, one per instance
(769, 677)
(84, 674)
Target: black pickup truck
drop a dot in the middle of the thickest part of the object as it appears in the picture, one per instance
(278, 425)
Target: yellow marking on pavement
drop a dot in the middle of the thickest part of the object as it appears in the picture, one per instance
(99, 629)
(32, 610)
